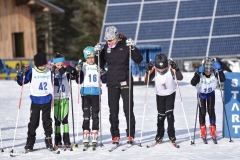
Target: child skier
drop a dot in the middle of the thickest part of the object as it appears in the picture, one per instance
(41, 97)
(165, 86)
(90, 92)
(61, 99)
(205, 80)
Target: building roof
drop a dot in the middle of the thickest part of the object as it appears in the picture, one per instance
(40, 6)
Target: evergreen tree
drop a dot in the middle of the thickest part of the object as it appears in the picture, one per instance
(69, 33)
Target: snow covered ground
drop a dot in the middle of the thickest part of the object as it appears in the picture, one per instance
(9, 99)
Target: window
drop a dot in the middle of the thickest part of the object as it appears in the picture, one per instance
(18, 45)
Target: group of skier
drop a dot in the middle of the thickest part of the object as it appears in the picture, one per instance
(50, 85)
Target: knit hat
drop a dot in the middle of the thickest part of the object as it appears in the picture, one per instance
(40, 59)
(208, 64)
(161, 61)
(111, 33)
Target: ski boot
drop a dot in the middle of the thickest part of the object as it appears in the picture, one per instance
(115, 140)
(94, 135)
(29, 144)
(130, 140)
(86, 135)
(213, 133)
(159, 139)
(48, 142)
(203, 133)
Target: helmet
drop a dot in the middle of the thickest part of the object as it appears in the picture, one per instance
(111, 33)
(88, 52)
(161, 61)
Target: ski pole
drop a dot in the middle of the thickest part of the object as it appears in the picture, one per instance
(19, 105)
(53, 76)
(181, 102)
(144, 108)
(224, 109)
(1, 140)
(193, 142)
(74, 145)
(79, 63)
(58, 106)
(100, 107)
(53, 67)
(198, 105)
(129, 93)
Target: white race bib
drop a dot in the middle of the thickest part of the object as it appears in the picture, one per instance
(41, 84)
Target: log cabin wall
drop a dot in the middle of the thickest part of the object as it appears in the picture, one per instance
(16, 19)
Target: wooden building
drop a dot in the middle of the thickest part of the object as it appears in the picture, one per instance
(17, 26)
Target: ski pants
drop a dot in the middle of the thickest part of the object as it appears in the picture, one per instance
(34, 120)
(165, 107)
(113, 102)
(207, 105)
(61, 110)
(90, 108)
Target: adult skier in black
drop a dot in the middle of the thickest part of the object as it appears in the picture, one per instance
(116, 54)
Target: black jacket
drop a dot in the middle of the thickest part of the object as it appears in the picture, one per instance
(196, 78)
(118, 62)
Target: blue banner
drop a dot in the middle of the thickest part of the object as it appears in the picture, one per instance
(232, 105)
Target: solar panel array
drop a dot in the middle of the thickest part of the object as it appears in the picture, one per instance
(152, 22)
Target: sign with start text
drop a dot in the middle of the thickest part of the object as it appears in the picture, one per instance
(231, 121)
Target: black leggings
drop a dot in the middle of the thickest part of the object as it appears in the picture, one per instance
(165, 107)
(90, 107)
(207, 105)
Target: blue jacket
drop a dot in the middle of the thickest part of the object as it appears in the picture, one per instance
(35, 99)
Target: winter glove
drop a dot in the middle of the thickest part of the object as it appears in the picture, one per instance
(174, 65)
(103, 72)
(79, 66)
(97, 47)
(23, 70)
(70, 70)
(53, 67)
(200, 70)
(56, 72)
(62, 71)
(217, 65)
(131, 43)
(149, 66)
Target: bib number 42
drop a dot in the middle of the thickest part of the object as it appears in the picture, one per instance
(43, 86)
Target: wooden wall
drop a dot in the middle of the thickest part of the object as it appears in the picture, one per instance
(16, 19)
